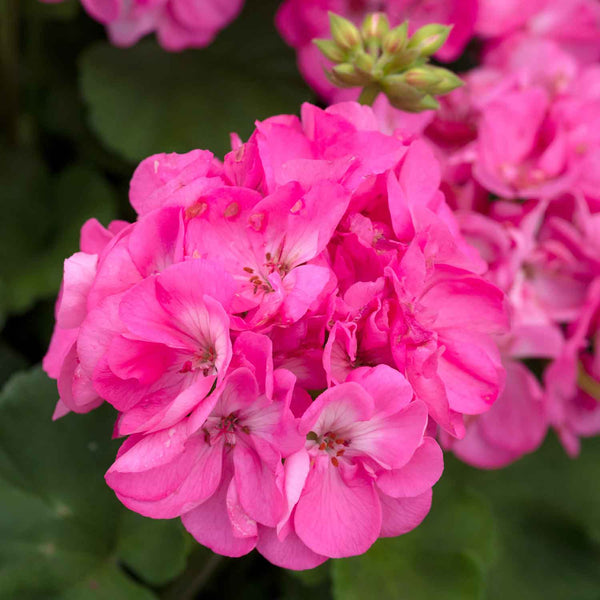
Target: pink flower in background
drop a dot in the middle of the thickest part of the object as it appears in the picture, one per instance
(178, 24)
(514, 426)
(523, 127)
(300, 21)
(545, 257)
(573, 379)
(574, 24)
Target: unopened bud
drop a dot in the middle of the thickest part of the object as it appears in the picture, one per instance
(375, 27)
(423, 78)
(396, 39)
(363, 62)
(447, 81)
(330, 50)
(429, 39)
(399, 92)
(345, 75)
(400, 61)
(428, 103)
(345, 34)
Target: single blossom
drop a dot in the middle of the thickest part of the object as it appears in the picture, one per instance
(174, 347)
(366, 471)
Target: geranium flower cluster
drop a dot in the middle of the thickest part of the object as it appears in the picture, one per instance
(178, 24)
(282, 334)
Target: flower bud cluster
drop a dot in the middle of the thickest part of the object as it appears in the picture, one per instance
(380, 59)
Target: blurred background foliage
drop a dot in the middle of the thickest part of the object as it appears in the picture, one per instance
(77, 115)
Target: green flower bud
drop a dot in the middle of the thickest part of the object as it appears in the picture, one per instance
(329, 49)
(363, 62)
(399, 92)
(428, 103)
(429, 39)
(396, 39)
(345, 34)
(375, 27)
(345, 75)
(423, 78)
(447, 81)
(401, 61)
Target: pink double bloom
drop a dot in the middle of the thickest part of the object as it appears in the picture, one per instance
(319, 260)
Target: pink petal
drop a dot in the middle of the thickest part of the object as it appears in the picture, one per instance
(391, 439)
(388, 387)
(174, 488)
(211, 526)
(290, 553)
(259, 485)
(335, 517)
(417, 476)
(337, 408)
(80, 271)
(401, 515)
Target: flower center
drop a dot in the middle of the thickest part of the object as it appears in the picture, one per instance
(227, 426)
(330, 443)
(271, 265)
(204, 361)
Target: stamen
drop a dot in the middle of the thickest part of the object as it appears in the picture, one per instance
(187, 367)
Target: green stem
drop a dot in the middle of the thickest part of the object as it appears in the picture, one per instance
(369, 94)
(9, 67)
(198, 573)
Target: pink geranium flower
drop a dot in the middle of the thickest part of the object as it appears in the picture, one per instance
(366, 471)
(319, 260)
(575, 25)
(178, 24)
(174, 346)
(222, 472)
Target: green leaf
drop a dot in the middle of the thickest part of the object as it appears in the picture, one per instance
(138, 543)
(42, 227)
(59, 519)
(144, 100)
(61, 11)
(10, 362)
(446, 556)
(108, 583)
(399, 571)
(546, 507)
(62, 531)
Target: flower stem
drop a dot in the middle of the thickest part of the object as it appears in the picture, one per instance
(200, 569)
(369, 94)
